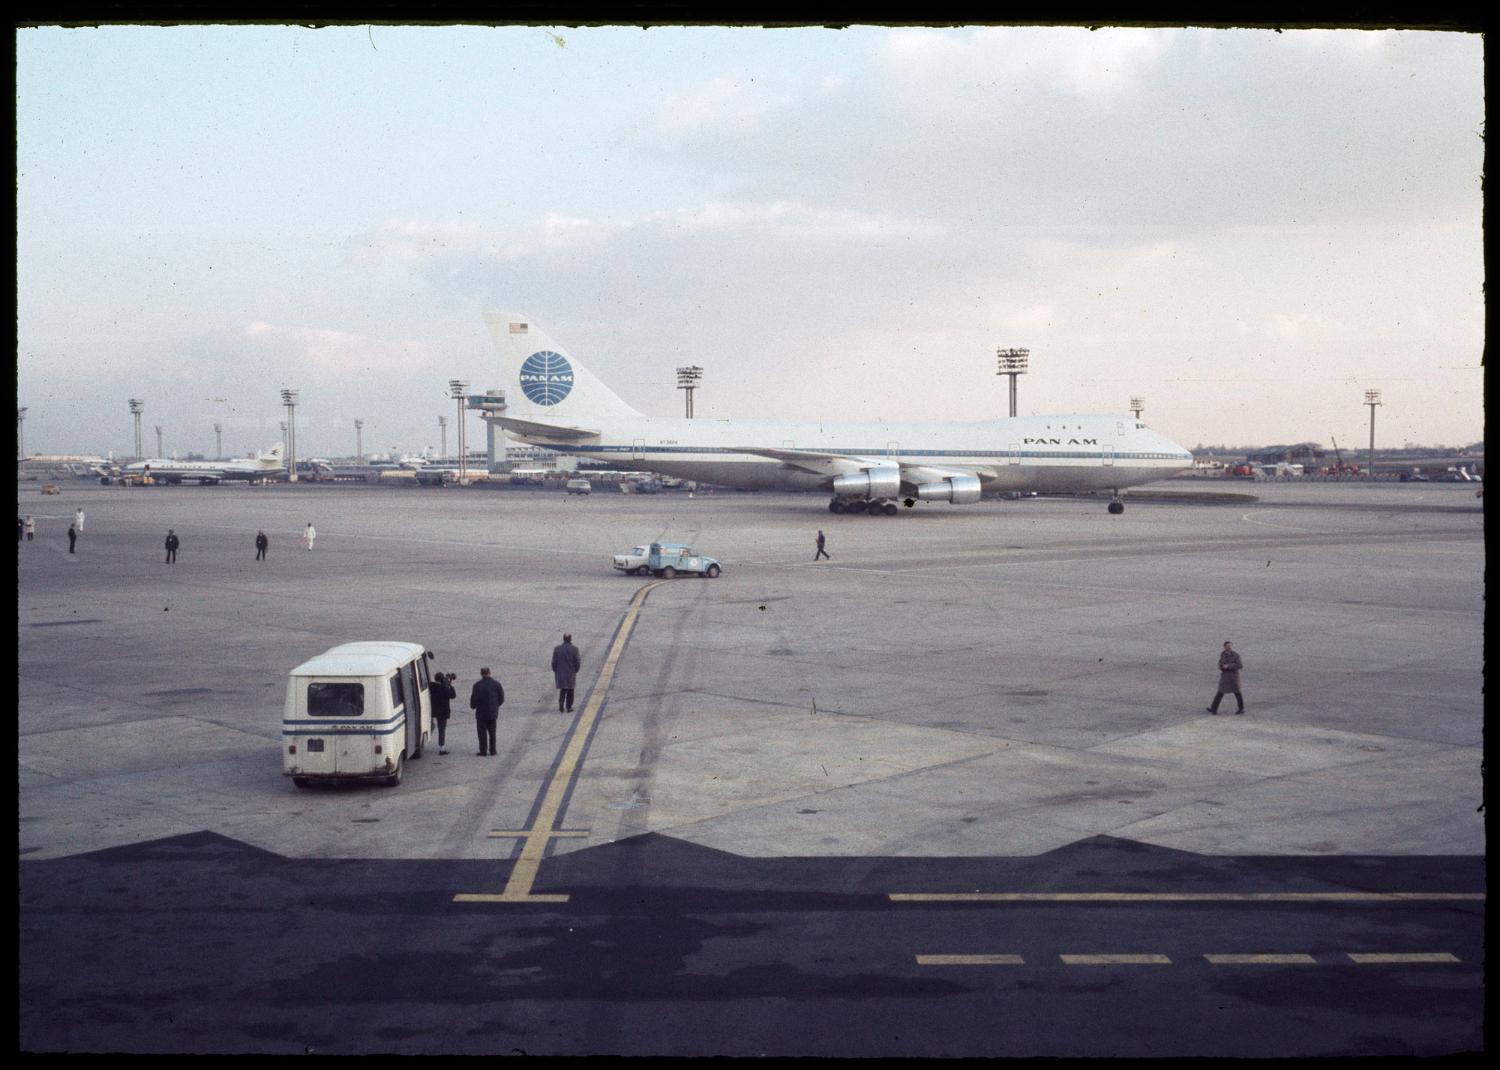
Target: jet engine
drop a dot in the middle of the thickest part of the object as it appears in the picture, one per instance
(871, 483)
(960, 490)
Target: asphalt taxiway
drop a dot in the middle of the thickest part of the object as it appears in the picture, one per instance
(765, 826)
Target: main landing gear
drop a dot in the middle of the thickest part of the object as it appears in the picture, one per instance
(868, 506)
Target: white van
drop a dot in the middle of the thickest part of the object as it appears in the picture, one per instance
(356, 712)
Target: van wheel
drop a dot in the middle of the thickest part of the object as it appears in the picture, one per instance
(713, 571)
(667, 573)
(302, 781)
(395, 778)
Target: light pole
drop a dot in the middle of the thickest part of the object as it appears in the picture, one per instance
(687, 380)
(1012, 362)
(1372, 399)
(359, 444)
(443, 431)
(289, 399)
(218, 442)
(1136, 405)
(21, 431)
(158, 441)
(456, 388)
(137, 406)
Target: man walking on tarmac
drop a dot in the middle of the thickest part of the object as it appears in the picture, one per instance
(565, 664)
(485, 700)
(821, 552)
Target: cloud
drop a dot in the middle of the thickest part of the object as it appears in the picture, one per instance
(325, 350)
(1092, 67)
(726, 102)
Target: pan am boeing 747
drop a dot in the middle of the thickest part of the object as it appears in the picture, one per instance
(553, 400)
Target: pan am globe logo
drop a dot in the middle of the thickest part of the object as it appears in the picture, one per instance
(546, 377)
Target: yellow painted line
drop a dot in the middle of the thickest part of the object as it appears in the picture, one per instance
(1441, 956)
(534, 840)
(1116, 960)
(521, 834)
(1182, 897)
(1261, 960)
(970, 960)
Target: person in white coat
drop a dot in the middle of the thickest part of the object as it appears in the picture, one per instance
(308, 535)
(78, 520)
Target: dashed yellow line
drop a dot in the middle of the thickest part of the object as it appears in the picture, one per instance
(1367, 958)
(1262, 960)
(1115, 960)
(1182, 897)
(534, 839)
(970, 960)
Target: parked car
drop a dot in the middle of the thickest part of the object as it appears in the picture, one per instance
(633, 561)
(577, 486)
(667, 561)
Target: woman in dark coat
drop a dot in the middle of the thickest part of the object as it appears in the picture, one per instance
(1229, 678)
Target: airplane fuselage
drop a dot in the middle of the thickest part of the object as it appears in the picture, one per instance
(1050, 454)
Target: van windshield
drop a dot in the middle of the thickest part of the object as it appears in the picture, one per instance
(335, 700)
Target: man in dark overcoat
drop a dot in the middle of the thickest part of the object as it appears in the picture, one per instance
(565, 664)
(172, 543)
(1229, 678)
(485, 700)
(261, 544)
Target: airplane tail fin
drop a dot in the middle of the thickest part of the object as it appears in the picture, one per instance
(544, 383)
(275, 457)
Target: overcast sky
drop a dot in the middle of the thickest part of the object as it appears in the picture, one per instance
(1246, 228)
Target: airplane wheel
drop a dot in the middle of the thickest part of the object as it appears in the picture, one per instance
(836, 506)
(302, 781)
(856, 507)
(891, 509)
(1116, 508)
(875, 509)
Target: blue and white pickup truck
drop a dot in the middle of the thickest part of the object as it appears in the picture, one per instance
(667, 560)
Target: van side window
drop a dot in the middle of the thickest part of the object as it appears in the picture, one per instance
(335, 700)
(398, 693)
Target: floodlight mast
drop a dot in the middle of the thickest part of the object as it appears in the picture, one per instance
(137, 406)
(687, 381)
(21, 431)
(456, 389)
(359, 444)
(289, 399)
(1012, 362)
(1372, 399)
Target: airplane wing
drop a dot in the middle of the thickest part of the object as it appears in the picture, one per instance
(556, 431)
(833, 465)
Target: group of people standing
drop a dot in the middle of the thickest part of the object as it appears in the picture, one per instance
(488, 695)
(26, 529)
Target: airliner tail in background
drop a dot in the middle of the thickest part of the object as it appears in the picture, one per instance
(553, 400)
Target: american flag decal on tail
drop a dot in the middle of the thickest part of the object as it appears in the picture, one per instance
(518, 328)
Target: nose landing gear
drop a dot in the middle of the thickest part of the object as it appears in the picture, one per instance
(1116, 506)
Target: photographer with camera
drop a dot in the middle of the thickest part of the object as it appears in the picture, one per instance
(442, 694)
